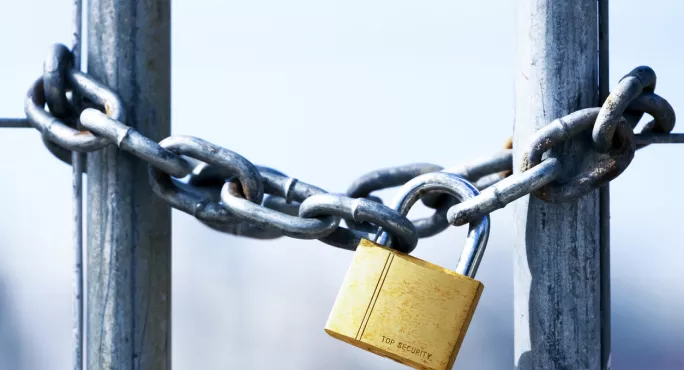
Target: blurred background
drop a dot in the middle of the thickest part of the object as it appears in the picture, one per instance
(326, 91)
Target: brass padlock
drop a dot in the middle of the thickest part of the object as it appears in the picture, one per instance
(404, 308)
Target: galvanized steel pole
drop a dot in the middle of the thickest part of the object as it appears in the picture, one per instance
(557, 264)
(129, 228)
(78, 164)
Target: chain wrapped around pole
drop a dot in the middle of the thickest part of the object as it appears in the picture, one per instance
(226, 192)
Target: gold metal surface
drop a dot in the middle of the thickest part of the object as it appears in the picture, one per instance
(403, 308)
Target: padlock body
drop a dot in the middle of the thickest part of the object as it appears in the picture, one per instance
(403, 308)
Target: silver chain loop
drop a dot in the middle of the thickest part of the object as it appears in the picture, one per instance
(504, 192)
(605, 166)
(663, 115)
(194, 201)
(57, 63)
(639, 80)
(289, 189)
(61, 133)
(363, 210)
(130, 140)
(483, 172)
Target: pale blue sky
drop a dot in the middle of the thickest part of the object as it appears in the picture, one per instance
(326, 91)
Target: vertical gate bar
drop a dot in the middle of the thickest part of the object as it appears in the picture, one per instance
(77, 163)
(604, 192)
(129, 228)
(557, 266)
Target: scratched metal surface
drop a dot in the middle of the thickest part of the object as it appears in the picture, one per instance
(129, 229)
(557, 272)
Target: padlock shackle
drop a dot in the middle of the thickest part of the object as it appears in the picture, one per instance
(461, 189)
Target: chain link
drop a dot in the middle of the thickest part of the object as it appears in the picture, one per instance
(483, 172)
(130, 140)
(57, 64)
(363, 210)
(504, 192)
(446, 183)
(639, 80)
(228, 193)
(58, 61)
(663, 116)
(194, 201)
(59, 132)
(602, 167)
(289, 189)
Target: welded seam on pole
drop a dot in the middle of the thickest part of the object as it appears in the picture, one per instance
(604, 192)
(77, 160)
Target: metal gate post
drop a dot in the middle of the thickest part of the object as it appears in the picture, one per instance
(557, 264)
(128, 227)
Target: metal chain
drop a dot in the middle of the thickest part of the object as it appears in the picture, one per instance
(228, 193)
(616, 118)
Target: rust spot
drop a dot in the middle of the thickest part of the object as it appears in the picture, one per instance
(236, 189)
(542, 193)
(509, 143)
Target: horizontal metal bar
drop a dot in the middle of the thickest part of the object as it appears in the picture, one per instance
(645, 139)
(14, 123)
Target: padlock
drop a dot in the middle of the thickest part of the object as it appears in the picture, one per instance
(404, 308)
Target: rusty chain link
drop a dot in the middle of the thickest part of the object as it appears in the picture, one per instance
(228, 193)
